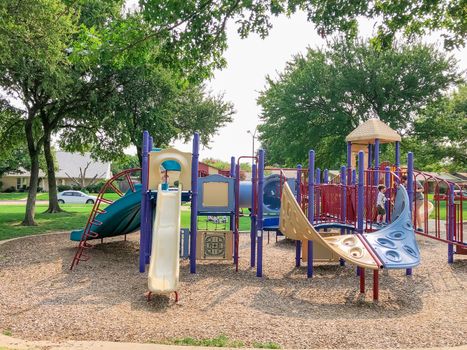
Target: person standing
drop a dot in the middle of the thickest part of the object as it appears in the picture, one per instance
(419, 198)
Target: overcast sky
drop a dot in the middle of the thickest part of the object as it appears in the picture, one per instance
(249, 62)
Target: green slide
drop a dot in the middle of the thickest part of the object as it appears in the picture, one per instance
(120, 217)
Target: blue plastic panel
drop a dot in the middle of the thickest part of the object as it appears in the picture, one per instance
(395, 244)
(271, 223)
(169, 165)
(231, 196)
(271, 194)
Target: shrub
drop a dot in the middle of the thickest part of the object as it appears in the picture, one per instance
(76, 188)
(1, 185)
(39, 189)
(62, 188)
(10, 189)
(96, 188)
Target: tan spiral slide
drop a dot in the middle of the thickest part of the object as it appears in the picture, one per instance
(294, 224)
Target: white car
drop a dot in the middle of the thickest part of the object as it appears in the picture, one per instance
(75, 197)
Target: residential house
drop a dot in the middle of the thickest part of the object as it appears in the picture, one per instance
(73, 169)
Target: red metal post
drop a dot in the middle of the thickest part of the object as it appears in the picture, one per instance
(362, 280)
(375, 284)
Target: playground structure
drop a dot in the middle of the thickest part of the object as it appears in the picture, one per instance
(300, 208)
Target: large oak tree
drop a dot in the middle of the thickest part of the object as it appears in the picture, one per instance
(321, 97)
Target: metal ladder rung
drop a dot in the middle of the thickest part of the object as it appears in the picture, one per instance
(96, 222)
(92, 234)
(108, 201)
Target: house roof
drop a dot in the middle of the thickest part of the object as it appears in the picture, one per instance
(22, 173)
(442, 175)
(372, 129)
(70, 164)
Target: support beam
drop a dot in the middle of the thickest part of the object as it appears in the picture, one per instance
(298, 243)
(343, 204)
(375, 285)
(259, 221)
(253, 217)
(194, 202)
(311, 208)
(349, 161)
(387, 183)
(144, 213)
(451, 223)
(376, 162)
(410, 187)
(362, 280)
(398, 154)
(232, 174)
(360, 194)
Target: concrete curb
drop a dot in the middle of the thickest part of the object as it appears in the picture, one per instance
(14, 343)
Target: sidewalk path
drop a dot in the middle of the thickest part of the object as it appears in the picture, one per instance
(13, 343)
(19, 202)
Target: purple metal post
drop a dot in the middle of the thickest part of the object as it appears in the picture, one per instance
(398, 154)
(376, 162)
(144, 213)
(325, 176)
(370, 156)
(354, 176)
(349, 161)
(343, 204)
(387, 183)
(254, 185)
(232, 166)
(451, 223)
(318, 200)
(311, 207)
(237, 213)
(149, 213)
(410, 187)
(360, 198)
(298, 243)
(194, 202)
(232, 174)
(259, 220)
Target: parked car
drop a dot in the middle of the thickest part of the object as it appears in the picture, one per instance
(458, 195)
(75, 197)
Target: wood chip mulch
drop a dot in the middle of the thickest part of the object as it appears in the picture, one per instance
(103, 299)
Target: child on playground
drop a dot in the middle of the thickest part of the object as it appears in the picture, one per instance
(380, 202)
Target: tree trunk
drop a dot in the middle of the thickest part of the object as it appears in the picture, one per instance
(53, 200)
(33, 151)
(139, 152)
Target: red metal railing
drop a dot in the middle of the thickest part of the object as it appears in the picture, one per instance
(329, 201)
(98, 208)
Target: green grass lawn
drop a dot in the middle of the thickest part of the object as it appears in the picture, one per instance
(220, 341)
(13, 196)
(11, 216)
(442, 208)
(74, 217)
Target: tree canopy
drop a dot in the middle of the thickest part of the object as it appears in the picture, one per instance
(81, 71)
(321, 97)
(198, 27)
(439, 135)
